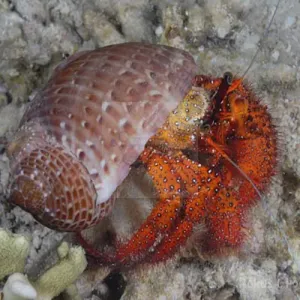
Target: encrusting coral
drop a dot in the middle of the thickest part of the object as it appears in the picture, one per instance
(14, 249)
(54, 281)
(60, 277)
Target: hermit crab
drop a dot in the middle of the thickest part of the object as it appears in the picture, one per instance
(208, 144)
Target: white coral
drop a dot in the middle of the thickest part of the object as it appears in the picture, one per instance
(18, 287)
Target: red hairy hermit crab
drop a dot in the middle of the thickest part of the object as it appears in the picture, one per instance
(208, 144)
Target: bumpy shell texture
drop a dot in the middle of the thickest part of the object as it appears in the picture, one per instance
(91, 121)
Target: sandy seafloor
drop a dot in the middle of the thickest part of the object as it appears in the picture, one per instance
(222, 36)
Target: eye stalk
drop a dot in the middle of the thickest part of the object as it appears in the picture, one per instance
(217, 100)
(228, 77)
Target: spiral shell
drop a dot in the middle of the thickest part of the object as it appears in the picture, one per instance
(85, 128)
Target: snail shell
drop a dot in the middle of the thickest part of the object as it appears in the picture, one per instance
(85, 128)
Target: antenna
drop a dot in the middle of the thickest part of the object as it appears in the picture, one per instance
(281, 230)
(262, 39)
(291, 251)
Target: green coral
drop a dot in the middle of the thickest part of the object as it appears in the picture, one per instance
(14, 249)
(59, 278)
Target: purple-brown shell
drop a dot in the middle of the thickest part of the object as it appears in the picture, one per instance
(85, 128)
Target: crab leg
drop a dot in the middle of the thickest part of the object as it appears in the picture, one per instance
(226, 230)
(194, 212)
(159, 222)
(163, 171)
(203, 184)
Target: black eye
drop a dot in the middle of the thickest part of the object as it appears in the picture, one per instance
(204, 125)
(228, 77)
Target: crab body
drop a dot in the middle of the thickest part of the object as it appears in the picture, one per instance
(208, 144)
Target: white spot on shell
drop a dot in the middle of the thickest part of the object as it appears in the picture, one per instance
(122, 122)
(62, 125)
(105, 105)
(179, 61)
(64, 139)
(89, 143)
(128, 90)
(93, 172)
(98, 186)
(138, 81)
(122, 71)
(83, 123)
(155, 93)
(102, 163)
(78, 152)
(98, 118)
(128, 63)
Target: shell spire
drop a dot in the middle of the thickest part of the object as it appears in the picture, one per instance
(85, 128)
